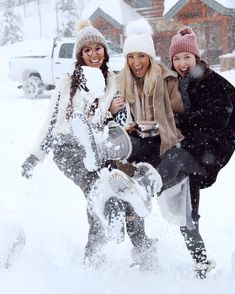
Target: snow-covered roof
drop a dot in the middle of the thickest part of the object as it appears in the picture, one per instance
(168, 4)
(117, 9)
(227, 3)
(232, 54)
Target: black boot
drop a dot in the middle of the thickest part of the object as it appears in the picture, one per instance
(94, 255)
(196, 247)
(144, 253)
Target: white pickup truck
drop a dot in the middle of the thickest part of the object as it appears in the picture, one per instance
(37, 73)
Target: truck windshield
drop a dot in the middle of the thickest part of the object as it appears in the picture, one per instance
(66, 50)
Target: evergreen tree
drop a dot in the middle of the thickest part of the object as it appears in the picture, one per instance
(68, 14)
(11, 26)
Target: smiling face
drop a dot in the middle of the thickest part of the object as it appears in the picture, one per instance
(93, 54)
(184, 62)
(139, 63)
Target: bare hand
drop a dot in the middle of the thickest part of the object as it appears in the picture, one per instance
(117, 104)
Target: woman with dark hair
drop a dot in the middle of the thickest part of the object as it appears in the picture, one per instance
(207, 124)
(57, 134)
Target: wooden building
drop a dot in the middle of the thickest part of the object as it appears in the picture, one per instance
(213, 23)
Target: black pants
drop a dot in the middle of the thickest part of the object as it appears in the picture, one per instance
(136, 229)
(68, 156)
(175, 162)
(192, 238)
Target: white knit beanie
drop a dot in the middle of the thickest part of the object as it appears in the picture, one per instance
(86, 33)
(139, 38)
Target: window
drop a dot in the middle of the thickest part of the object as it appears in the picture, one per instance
(113, 48)
(66, 50)
(142, 4)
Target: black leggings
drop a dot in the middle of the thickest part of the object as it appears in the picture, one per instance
(192, 238)
(174, 161)
(194, 243)
(68, 156)
(177, 161)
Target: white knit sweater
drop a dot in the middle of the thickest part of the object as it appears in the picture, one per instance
(57, 111)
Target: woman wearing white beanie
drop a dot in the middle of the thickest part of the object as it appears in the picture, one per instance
(150, 96)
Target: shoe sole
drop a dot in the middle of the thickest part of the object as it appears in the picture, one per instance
(126, 189)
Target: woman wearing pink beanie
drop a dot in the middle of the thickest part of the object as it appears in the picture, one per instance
(207, 124)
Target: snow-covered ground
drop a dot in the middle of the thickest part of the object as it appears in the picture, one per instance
(52, 212)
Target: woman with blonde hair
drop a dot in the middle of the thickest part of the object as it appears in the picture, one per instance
(149, 97)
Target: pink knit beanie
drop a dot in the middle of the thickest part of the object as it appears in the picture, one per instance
(184, 41)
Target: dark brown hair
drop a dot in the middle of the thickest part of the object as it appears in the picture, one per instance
(77, 78)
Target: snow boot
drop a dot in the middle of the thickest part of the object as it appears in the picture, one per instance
(115, 212)
(96, 260)
(146, 175)
(201, 269)
(139, 189)
(146, 258)
(12, 241)
(109, 142)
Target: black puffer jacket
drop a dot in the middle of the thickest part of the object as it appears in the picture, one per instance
(208, 121)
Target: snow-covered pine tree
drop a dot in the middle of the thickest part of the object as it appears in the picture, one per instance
(80, 4)
(11, 25)
(68, 12)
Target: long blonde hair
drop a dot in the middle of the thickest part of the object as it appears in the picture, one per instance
(126, 80)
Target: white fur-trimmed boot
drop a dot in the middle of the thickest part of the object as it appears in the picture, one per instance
(109, 142)
(146, 258)
(146, 175)
(139, 189)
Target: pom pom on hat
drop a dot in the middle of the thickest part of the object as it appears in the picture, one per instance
(139, 38)
(138, 27)
(184, 41)
(82, 24)
(86, 33)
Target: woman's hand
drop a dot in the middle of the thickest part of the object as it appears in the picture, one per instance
(117, 104)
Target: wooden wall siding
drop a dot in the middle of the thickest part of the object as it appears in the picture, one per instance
(215, 31)
(108, 30)
(162, 42)
(211, 27)
(149, 11)
(227, 62)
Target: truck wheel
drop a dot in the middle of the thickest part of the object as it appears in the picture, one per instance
(33, 87)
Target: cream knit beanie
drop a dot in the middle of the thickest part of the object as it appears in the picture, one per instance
(86, 33)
